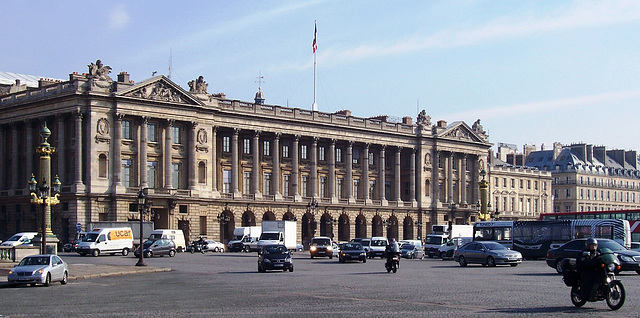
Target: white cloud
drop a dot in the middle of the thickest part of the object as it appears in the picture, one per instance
(118, 18)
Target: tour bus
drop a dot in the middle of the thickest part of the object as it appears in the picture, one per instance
(534, 238)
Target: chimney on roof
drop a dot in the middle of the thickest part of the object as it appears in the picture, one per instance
(617, 155)
(590, 153)
(632, 158)
(557, 149)
(123, 77)
(580, 150)
(442, 124)
(344, 112)
(407, 120)
(17, 82)
(600, 153)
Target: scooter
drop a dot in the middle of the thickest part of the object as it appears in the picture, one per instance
(610, 289)
(393, 263)
(197, 247)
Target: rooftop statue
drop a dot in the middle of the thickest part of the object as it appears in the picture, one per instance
(98, 71)
(198, 86)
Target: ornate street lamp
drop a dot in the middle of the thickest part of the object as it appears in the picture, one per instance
(223, 219)
(484, 196)
(143, 205)
(43, 194)
(312, 208)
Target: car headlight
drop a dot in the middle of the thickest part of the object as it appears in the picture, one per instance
(10, 272)
(287, 260)
(329, 248)
(40, 272)
(313, 248)
(625, 258)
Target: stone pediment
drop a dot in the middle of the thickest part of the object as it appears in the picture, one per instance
(161, 89)
(461, 131)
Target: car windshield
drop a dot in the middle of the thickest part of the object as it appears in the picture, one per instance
(91, 237)
(407, 247)
(14, 238)
(155, 236)
(351, 246)
(378, 243)
(320, 242)
(39, 260)
(275, 250)
(237, 238)
(612, 245)
(494, 246)
(437, 240)
(270, 236)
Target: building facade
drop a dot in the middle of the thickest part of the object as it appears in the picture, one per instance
(210, 164)
(590, 178)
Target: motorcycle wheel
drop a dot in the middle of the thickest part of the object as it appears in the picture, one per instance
(192, 250)
(388, 268)
(615, 296)
(395, 269)
(575, 297)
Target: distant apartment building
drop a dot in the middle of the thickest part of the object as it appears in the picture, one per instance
(517, 191)
(590, 178)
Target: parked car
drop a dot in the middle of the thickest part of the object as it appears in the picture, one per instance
(274, 257)
(213, 246)
(486, 253)
(299, 247)
(157, 248)
(23, 238)
(408, 250)
(321, 246)
(363, 241)
(39, 269)
(629, 260)
(352, 251)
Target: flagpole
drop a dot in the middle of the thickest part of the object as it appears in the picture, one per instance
(314, 107)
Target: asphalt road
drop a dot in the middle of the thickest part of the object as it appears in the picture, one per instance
(229, 285)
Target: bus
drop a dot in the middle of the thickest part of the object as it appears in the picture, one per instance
(633, 216)
(534, 238)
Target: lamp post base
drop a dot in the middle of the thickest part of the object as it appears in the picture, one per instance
(141, 263)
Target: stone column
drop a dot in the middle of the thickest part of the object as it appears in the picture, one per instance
(275, 178)
(117, 151)
(397, 177)
(349, 163)
(28, 150)
(365, 175)
(193, 141)
(143, 152)
(3, 161)
(295, 169)
(450, 195)
(255, 169)
(14, 156)
(168, 163)
(381, 172)
(412, 178)
(234, 163)
(436, 177)
(77, 177)
(463, 179)
(214, 159)
(314, 168)
(332, 170)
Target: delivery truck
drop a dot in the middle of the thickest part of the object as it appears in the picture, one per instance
(278, 232)
(440, 234)
(245, 238)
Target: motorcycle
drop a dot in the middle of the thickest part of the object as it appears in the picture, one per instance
(197, 247)
(393, 263)
(610, 289)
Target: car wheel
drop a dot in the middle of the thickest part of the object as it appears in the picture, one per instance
(559, 265)
(462, 261)
(491, 262)
(216, 250)
(513, 265)
(291, 269)
(331, 257)
(180, 249)
(311, 256)
(638, 272)
(65, 278)
(148, 254)
(95, 253)
(125, 252)
(364, 260)
(172, 253)
(47, 281)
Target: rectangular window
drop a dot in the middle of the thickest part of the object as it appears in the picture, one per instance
(286, 183)
(126, 172)
(339, 185)
(246, 182)
(203, 225)
(266, 186)
(521, 184)
(387, 189)
(371, 158)
(356, 155)
(285, 150)
(356, 185)
(176, 175)
(321, 154)
(126, 129)
(535, 185)
(226, 144)
(266, 148)
(303, 151)
(151, 173)
(372, 189)
(226, 181)
(338, 155)
(246, 146)
(504, 182)
(568, 193)
(323, 187)
(513, 183)
(305, 186)
(175, 135)
(151, 132)
(528, 184)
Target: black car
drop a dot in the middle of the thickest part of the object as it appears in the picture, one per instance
(352, 251)
(321, 246)
(157, 248)
(629, 260)
(274, 257)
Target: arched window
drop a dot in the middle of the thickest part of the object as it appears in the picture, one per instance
(102, 166)
(202, 172)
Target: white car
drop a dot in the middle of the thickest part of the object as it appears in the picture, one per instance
(39, 269)
(214, 246)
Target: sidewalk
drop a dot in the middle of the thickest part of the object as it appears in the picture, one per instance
(87, 271)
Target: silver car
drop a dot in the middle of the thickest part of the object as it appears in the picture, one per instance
(39, 269)
(486, 253)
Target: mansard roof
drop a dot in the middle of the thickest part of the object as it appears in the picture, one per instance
(569, 160)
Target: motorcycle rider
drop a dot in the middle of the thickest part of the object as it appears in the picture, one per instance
(392, 250)
(588, 265)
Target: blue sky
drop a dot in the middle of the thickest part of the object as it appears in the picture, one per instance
(534, 72)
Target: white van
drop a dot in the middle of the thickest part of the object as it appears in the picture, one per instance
(174, 235)
(377, 247)
(107, 240)
(23, 238)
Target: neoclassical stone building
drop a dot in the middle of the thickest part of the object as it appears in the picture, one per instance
(210, 164)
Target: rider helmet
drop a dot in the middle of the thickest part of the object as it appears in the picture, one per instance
(590, 241)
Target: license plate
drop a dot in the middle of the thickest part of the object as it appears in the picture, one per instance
(24, 278)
